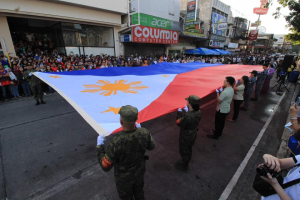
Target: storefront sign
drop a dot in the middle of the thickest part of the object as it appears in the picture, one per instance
(233, 45)
(145, 34)
(253, 35)
(217, 38)
(195, 32)
(263, 9)
(157, 22)
(216, 44)
(218, 24)
(125, 38)
(191, 11)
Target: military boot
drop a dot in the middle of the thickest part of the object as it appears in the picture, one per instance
(43, 102)
(37, 103)
(181, 166)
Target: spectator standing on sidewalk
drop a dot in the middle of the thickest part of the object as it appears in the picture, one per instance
(14, 87)
(223, 107)
(4, 81)
(239, 89)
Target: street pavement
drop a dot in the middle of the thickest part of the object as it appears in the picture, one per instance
(48, 152)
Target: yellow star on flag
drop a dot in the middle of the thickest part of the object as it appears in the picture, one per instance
(165, 75)
(54, 76)
(112, 109)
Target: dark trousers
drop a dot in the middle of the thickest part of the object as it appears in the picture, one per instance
(37, 91)
(186, 143)
(130, 189)
(237, 104)
(219, 123)
(257, 90)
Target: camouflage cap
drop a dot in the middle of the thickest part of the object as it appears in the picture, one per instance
(129, 113)
(193, 99)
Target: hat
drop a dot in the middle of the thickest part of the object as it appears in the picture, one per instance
(129, 113)
(254, 72)
(193, 99)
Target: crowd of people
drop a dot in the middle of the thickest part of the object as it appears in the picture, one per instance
(14, 85)
(17, 80)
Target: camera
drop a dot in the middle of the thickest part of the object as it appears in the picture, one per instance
(264, 170)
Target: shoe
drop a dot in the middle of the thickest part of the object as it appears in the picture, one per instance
(253, 99)
(37, 103)
(43, 102)
(181, 166)
(13, 98)
(45, 93)
(212, 137)
(6, 99)
(231, 120)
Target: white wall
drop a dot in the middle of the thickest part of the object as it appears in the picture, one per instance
(5, 33)
(59, 11)
(167, 9)
(111, 5)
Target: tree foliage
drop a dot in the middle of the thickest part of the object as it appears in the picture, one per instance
(292, 19)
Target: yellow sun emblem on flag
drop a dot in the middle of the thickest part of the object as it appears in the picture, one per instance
(55, 76)
(112, 88)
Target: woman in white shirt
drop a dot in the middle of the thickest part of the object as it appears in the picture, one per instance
(239, 89)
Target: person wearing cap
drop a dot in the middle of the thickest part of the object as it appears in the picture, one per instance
(126, 153)
(249, 90)
(35, 84)
(188, 124)
(223, 106)
(261, 76)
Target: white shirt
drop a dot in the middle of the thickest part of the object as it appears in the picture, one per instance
(293, 191)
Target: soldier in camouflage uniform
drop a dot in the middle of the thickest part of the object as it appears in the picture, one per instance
(260, 81)
(248, 92)
(35, 84)
(126, 153)
(188, 124)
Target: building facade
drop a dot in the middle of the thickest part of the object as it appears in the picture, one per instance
(78, 26)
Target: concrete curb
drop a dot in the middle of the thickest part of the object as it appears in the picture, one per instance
(283, 151)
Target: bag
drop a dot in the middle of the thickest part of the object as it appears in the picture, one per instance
(293, 78)
(265, 189)
(293, 145)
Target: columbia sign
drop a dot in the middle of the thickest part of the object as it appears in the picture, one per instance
(144, 34)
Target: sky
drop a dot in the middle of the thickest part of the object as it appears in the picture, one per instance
(244, 8)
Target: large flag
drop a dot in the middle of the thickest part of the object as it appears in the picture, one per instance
(155, 90)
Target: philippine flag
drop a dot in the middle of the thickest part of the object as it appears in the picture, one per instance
(154, 90)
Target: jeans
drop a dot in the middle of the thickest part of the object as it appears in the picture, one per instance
(5, 88)
(14, 90)
(219, 123)
(26, 88)
(237, 104)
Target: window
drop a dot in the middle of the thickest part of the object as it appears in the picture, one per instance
(87, 35)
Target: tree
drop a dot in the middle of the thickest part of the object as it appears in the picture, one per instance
(293, 19)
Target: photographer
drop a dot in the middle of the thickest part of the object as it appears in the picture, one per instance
(277, 165)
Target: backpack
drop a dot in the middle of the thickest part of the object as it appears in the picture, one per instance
(294, 145)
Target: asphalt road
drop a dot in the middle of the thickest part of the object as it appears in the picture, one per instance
(48, 152)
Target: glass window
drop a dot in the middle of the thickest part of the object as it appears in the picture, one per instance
(87, 35)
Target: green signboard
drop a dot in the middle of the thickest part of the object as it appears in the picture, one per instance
(151, 21)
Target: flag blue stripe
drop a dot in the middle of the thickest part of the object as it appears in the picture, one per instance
(161, 68)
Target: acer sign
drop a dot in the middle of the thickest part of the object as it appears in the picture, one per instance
(263, 9)
(144, 34)
(253, 35)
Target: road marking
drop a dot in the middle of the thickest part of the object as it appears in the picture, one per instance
(244, 163)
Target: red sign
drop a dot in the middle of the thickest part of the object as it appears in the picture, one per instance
(263, 8)
(253, 35)
(145, 34)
